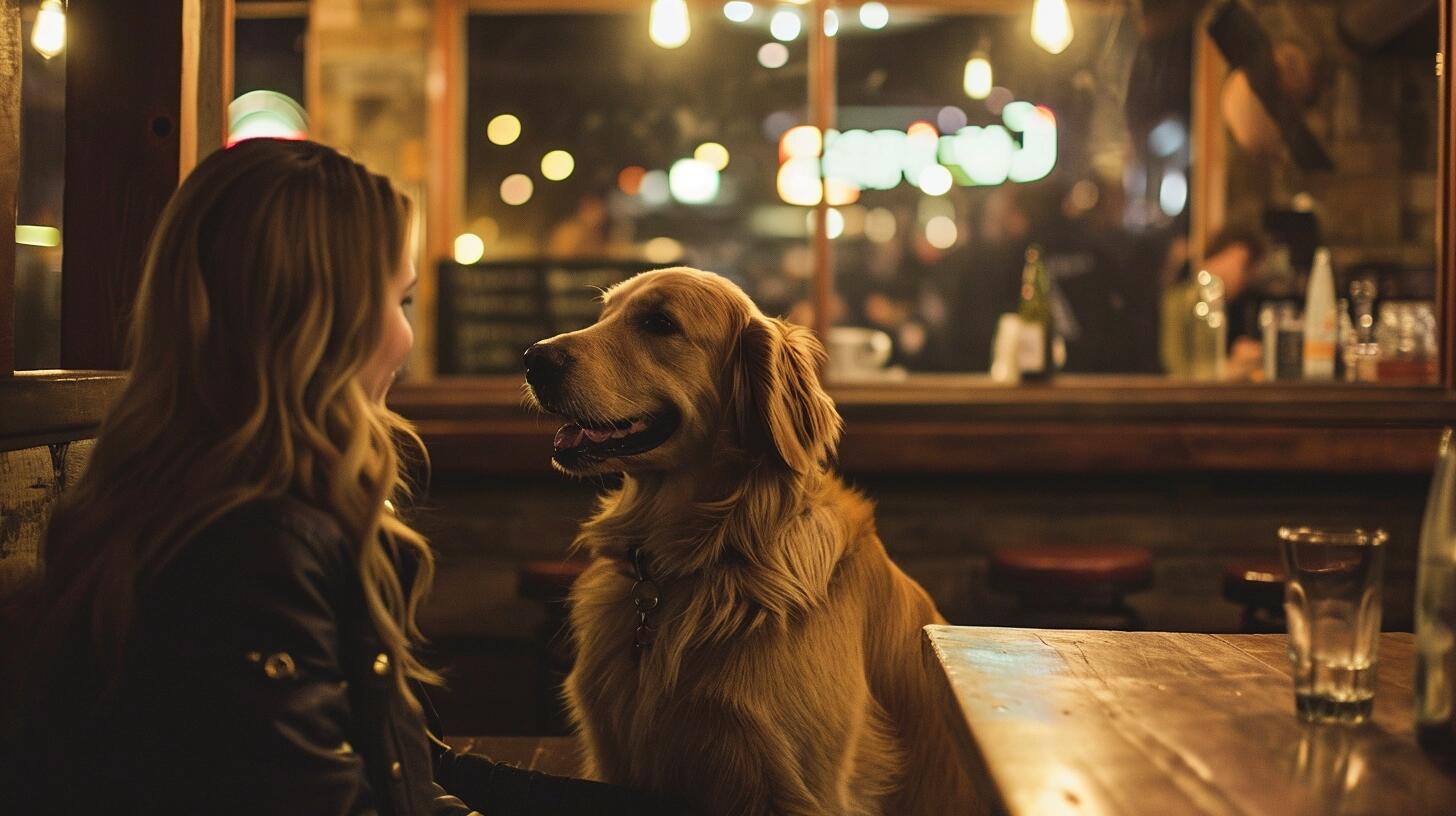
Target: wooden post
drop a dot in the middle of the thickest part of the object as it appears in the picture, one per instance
(821, 115)
(445, 184)
(9, 173)
(1445, 212)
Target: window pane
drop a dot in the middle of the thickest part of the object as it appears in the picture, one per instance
(38, 232)
(1088, 134)
(585, 141)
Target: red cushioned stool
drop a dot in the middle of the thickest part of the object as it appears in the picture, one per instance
(1066, 587)
(1257, 585)
(549, 582)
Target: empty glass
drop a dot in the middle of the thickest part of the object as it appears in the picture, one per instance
(1332, 604)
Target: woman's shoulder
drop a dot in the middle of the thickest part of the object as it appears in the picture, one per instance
(272, 540)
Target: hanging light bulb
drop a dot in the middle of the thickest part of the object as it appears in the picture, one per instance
(49, 33)
(1051, 25)
(977, 82)
(668, 24)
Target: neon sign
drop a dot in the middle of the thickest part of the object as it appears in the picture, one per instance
(883, 159)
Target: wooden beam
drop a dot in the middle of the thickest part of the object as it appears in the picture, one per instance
(9, 173)
(1445, 212)
(207, 71)
(123, 117)
(445, 182)
(823, 69)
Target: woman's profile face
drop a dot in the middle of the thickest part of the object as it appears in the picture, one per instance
(396, 340)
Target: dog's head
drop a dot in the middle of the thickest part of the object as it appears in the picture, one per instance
(682, 368)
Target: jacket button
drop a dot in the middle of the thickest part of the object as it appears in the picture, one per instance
(381, 664)
(395, 770)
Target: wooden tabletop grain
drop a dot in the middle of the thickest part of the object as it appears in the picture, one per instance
(1078, 722)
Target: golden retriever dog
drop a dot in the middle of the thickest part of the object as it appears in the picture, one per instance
(743, 641)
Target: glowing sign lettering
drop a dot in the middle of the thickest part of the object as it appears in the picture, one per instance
(975, 156)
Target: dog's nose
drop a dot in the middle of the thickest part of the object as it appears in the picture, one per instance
(546, 366)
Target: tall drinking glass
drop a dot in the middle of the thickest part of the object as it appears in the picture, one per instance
(1332, 603)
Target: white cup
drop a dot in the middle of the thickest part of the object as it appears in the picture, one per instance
(857, 351)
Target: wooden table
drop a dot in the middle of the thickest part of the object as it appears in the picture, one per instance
(1077, 722)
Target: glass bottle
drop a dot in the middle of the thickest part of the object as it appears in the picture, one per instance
(1038, 329)
(1435, 682)
(1210, 328)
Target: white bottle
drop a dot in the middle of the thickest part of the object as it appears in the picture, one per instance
(1435, 636)
(1319, 320)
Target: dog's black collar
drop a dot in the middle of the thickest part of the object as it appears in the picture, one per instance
(645, 597)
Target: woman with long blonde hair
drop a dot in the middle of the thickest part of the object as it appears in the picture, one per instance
(226, 615)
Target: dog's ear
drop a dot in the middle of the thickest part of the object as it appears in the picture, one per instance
(780, 408)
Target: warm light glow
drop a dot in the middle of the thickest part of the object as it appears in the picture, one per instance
(516, 189)
(831, 23)
(662, 250)
(668, 24)
(32, 235)
(801, 142)
(557, 165)
(48, 36)
(940, 232)
(503, 129)
(935, 180)
(773, 55)
(739, 11)
(879, 225)
(629, 180)
(874, 15)
(785, 25)
(1051, 25)
(833, 222)
(839, 192)
(469, 248)
(798, 182)
(713, 154)
(921, 129)
(977, 81)
(692, 181)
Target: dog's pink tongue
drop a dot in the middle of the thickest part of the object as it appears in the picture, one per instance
(597, 436)
(569, 436)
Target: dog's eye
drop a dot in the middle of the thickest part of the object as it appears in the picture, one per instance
(658, 323)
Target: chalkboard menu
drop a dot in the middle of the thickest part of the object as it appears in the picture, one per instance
(491, 312)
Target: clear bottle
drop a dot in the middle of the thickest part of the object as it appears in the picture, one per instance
(1435, 681)
(1289, 343)
(1319, 319)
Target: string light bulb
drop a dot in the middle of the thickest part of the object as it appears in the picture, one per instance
(49, 33)
(977, 81)
(1051, 25)
(668, 24)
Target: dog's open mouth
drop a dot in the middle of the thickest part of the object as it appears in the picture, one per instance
(578, 443)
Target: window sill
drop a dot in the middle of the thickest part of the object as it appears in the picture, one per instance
(965, 425)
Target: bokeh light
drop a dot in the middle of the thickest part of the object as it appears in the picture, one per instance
(935, 180)
(693, 182)
(265, 114)
(785, 25)
(469, 248)
(798, 182)
(713, 154)
(874, 16)
(653, 189)
(662, 250)
(879, 225)
(940, 232)
(668, 23)
(516, 189)
(773, 55)
(831, 23)
(977, 80)
(629, 180)
(951, 119)
(739, 11)
(557, 165)
(801, 142)
(503, 129)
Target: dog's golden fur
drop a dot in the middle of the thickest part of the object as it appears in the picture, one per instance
(786, 675)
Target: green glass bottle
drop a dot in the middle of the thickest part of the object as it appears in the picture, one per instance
(1038, 329)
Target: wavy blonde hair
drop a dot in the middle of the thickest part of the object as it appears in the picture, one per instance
(263, 298)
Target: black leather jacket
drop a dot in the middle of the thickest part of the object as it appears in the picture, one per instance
(255, 684)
